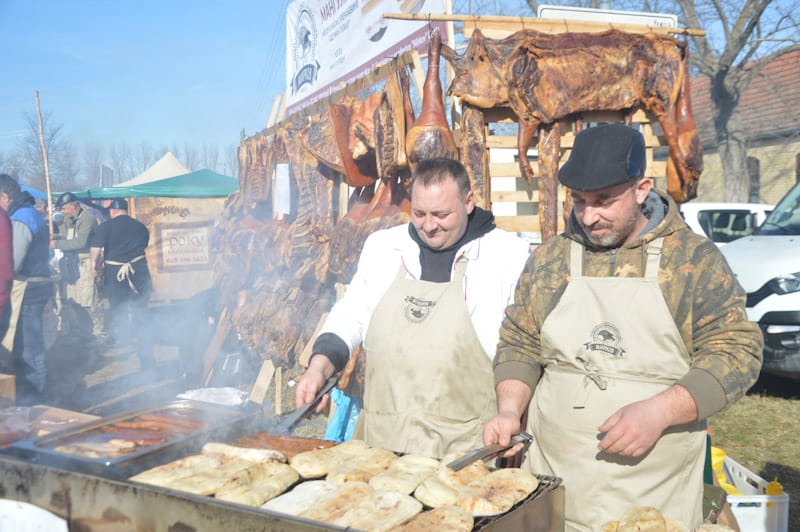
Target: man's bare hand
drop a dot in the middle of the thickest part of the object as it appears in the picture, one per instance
(319, 369)
(634, 429)
(500, 429)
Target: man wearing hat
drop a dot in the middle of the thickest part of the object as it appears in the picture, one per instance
(626, 333)
(121, 241)
(79, 299)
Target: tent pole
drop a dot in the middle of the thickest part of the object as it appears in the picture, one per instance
(46, 167)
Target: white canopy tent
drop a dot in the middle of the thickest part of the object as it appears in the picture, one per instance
(167, 166)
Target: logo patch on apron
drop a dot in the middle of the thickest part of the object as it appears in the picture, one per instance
(605, 339)
(417, 309)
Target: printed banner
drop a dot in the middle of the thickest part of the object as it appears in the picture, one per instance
(330, 43)
(184, 246)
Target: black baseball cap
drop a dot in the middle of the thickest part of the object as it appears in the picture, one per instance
(66, 197)
(119, 203)
(604, 156)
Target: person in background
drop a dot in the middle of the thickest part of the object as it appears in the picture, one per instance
(79, 300)
(626, 333)
(32, 288)
(121, 243)
(6, 269)
(426, 301)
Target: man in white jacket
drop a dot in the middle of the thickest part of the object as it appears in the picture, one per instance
(426, 302)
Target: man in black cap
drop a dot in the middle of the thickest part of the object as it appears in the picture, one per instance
(121, 241)
(80, 312)
(626, 333)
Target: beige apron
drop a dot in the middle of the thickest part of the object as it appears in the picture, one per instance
(429, 385)
(612, 341)
(17, 295)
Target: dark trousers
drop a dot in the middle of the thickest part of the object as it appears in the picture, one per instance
(30, 367)
(130, 323)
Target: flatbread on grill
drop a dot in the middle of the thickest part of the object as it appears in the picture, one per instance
(165, 474)
(459, 479)
(450, 518)
(331, 506)
(363, 467)
(301, 498)
(434, 493)
(642, 519)
(405, 474)
(258, 483)
(380, 511)
(497, 492)
(319, 462)
(245, 453)
(209, 481)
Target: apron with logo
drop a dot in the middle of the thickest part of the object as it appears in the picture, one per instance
(429, 385)
(612, 341)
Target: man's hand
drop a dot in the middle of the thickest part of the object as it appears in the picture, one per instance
(634, 429)
(52, 243)
(500, 429)
(319, 370)
(513, 397)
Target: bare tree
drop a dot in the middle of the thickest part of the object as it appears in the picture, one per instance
(29, 166)
(210, 156)
(122, 162)
(143, 158)
(190, 157)
(725, 56)
(231, 161)
(92, 159)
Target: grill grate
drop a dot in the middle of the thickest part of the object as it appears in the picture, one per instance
(546, 485)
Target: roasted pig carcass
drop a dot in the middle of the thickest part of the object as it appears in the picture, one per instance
(546, 77)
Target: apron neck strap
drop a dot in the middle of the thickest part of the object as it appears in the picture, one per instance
(653, 258)
(650, 271)
(575, 260)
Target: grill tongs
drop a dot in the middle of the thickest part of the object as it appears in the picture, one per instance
(491, 451)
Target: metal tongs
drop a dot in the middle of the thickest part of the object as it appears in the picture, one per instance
(288, 423)
(491, 451)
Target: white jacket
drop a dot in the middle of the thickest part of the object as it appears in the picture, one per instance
(495, 263)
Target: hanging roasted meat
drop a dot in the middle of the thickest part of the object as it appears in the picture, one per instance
(429, 136)
(390, 131)
(546, 77)
(357, 175)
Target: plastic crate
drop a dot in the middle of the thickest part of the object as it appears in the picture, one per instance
(755, 511)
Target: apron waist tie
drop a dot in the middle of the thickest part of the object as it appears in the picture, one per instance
(593, 378)
(126, 270)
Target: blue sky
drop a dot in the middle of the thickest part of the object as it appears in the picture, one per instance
(168, 73)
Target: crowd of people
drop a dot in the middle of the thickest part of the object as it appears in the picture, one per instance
(612, 343)
(89, 262)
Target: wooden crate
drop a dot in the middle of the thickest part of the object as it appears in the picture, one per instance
(514, 202)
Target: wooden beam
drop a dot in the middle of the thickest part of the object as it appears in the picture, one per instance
(512, 24)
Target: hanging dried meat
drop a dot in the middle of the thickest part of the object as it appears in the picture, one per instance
(429, 135)
(546, 77)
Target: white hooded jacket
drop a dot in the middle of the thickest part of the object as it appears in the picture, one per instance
(495, 262)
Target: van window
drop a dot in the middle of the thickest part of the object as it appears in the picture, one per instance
(726, 225)
(785, 218)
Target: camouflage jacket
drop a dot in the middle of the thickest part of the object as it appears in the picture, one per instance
(703, 296)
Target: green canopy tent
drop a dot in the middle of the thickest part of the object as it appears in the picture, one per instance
(198, 184)
(180, 212)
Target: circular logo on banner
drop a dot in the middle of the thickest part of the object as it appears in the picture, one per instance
(305, 45)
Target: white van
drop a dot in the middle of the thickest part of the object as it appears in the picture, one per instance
(724, 222)
(767, 264)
